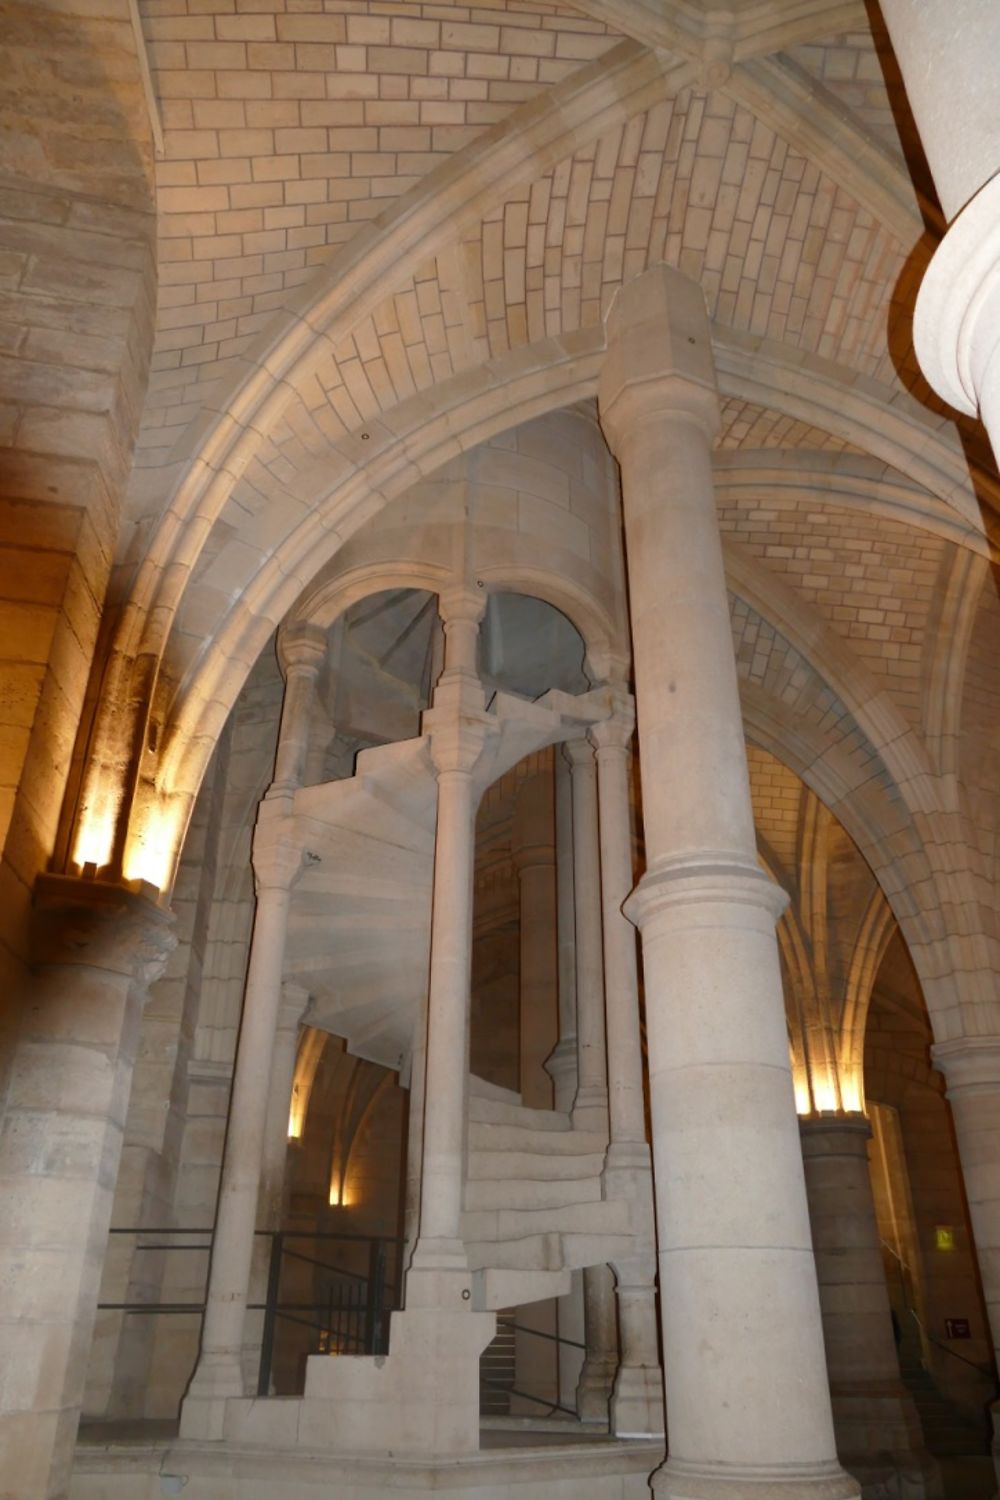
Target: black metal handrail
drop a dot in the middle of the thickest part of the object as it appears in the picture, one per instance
(350, 1315)
(512, 1390)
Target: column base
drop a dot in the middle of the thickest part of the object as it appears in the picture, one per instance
(217, 1380)
(593, 1391)
(637, 1402)
(561, 1068)
(590, 1111)
(677, 1480)
(879, 1438)
(628, 1157)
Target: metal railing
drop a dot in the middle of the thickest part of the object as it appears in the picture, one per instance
(986, 1371)
(551, 1407)
(344, 1304)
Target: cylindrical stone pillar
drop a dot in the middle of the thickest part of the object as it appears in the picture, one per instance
(600, 1333)
(270, 1198)
(302, 649)
(875, 1419)
(745, 1370)
(637, 1398)
(971, 1066)
(277, 863)
(561, 1065)
(626, 1106)
(458, 732)
(534, 860)
(218, 1376)
(590, 1108)
(637, 1401)
(947, 51)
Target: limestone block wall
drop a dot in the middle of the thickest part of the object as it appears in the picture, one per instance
(534, 510)
(120, 1379)
(77, 304)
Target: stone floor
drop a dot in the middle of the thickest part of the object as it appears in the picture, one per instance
(971, 1478)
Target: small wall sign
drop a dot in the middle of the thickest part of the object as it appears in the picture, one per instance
(957, 1328)
(944, 1237)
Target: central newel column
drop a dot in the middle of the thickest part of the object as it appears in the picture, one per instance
(277, 862)
(637, 1403)
(423, 1397)
(747, 1396)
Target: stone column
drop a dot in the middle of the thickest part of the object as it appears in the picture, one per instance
(637, 1402)
(628, 1149)
(947, 51)
(302, 649)
(561, 1065)
(742, 1338)
(459, 731)
(971, 1066)
(98, 948)
(218, 1376)
(277, 863)
(534, 860)
(590, 1108)
(270, 1199)
(600, 1334)
(875, 1419)
(270, 1209)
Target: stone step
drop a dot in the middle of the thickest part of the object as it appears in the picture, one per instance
(484, 1225)
(482, 1088)
(508, 1165)
(549, 1252)
(493, 1288)
(498, 1112)
(532, 1252)
(485, 1135)
(484, 1193)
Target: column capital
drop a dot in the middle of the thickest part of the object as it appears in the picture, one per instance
(614, 736)
(107, 925)
(703, 880)
(302, 647)
(579, 754)
(462, 602)
(970, 1064)
(458, 739)
(840, 1134)
(277, 854)
(659, 362)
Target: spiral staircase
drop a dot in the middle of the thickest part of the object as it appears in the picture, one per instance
(359, 940)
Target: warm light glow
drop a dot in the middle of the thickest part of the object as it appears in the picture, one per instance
(296, 1114)
(151, 847)
(334, 1195)
(95, 839)
(825, 1095)
(852, 1093)
(826, 1090)
(803, 1103)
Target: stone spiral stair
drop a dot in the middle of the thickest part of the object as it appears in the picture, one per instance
(359, 926)
(359, 939)
(534, 1204)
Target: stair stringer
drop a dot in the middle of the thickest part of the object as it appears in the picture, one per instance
(537, 1205)
(359, 926)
